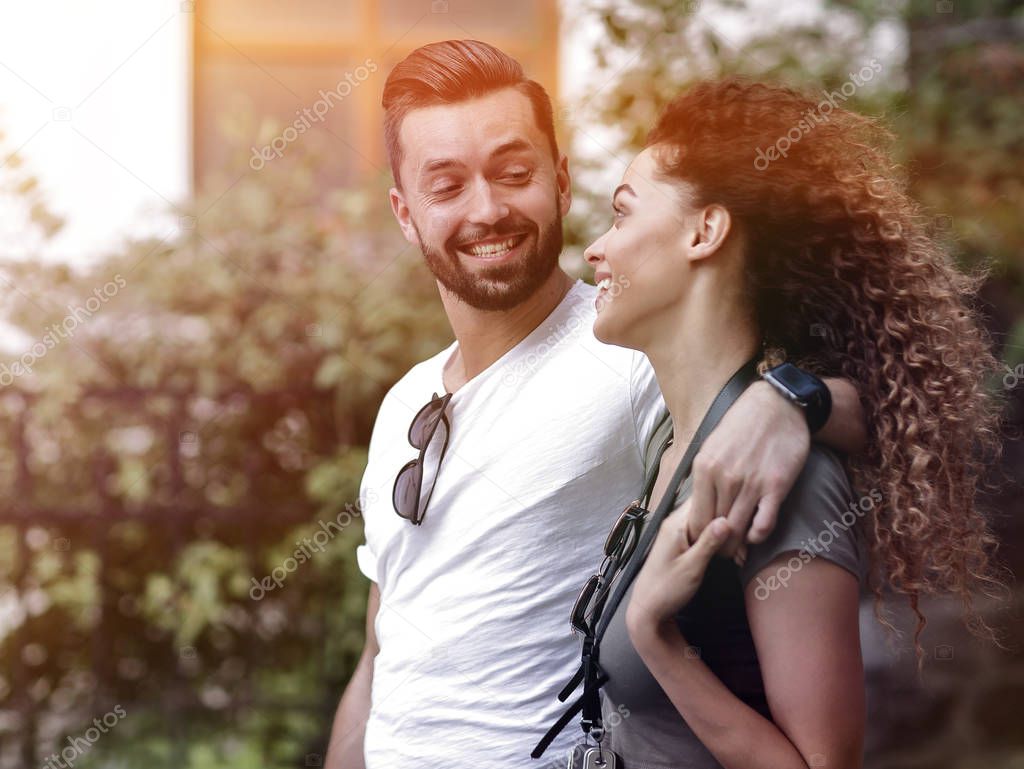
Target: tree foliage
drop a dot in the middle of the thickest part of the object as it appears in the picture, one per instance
(205, 405)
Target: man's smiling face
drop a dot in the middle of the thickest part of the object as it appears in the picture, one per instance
(482, 197)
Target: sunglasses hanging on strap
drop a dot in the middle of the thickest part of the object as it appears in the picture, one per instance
(590, 673)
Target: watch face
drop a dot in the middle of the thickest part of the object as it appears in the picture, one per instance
(795, 380)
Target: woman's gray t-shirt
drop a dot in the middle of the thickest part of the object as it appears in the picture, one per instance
(819, 518)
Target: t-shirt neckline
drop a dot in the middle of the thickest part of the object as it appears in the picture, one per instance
(449, 352)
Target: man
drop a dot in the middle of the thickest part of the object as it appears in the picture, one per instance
(474, 569)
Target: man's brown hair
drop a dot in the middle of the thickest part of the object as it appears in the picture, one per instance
(450, 72)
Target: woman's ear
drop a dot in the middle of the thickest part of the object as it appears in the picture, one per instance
(711, 229)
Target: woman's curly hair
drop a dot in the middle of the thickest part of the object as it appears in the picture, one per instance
(846, 276)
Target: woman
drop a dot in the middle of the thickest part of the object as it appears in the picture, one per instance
(730, 247)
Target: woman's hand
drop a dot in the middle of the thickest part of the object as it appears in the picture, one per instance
(673, 571)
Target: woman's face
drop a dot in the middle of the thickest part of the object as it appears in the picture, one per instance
(640, 264)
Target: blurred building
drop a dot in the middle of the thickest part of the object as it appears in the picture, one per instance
(320, 65)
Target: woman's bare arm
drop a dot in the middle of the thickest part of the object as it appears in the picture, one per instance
(808, 644)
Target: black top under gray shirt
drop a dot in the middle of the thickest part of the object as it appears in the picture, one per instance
(820, 519)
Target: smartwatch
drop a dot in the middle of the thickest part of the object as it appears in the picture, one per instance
(805, 390)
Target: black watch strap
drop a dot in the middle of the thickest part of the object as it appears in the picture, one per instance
(805, 390)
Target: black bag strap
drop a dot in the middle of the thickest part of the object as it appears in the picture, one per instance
(590, 672)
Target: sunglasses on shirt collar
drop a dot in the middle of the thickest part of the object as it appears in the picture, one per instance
(408, 488)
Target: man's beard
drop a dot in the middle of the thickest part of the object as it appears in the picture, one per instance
(503, 286)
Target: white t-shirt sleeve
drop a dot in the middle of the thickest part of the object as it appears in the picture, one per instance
(365, 557)
(370, 496)
(646, 401)
(367, 562)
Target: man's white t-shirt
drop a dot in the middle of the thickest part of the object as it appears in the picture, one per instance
(545, 451)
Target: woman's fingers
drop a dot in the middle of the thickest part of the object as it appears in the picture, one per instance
(699, 555)
(673, 571)
(740, 557)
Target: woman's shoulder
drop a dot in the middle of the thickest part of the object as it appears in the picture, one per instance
(821, 516)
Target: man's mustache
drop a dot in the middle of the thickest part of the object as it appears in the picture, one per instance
(517, 227)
